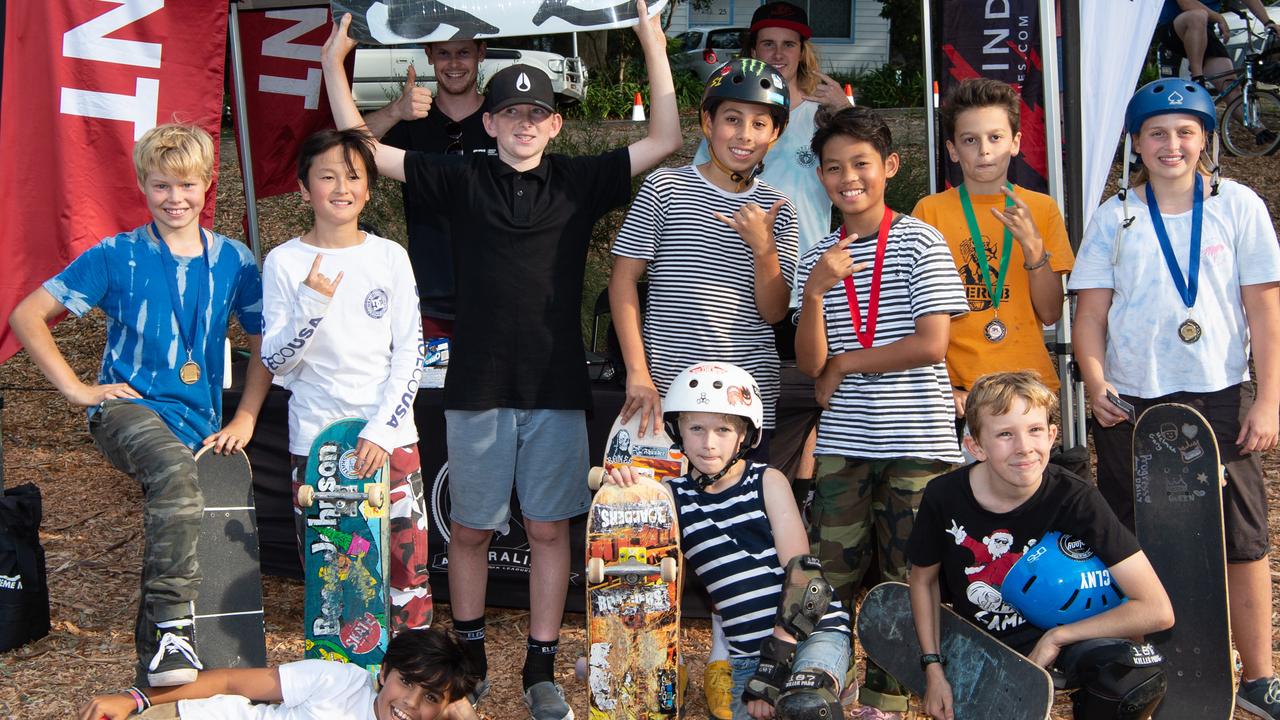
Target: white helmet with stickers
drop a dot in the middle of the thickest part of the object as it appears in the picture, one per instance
(715, 387)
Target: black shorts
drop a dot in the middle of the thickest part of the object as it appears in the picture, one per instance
(1244, 499)
(1168, 37)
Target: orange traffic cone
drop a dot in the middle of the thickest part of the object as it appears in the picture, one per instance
(848, 92)
(637, 109)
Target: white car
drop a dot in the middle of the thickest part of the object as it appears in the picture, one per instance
(703, 49)
(380, 72)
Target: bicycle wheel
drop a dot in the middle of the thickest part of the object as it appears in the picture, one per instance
(1252, 131)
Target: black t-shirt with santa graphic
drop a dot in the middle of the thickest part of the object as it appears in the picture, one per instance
(977, 547)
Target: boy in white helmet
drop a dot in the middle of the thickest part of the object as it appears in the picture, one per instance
(742, 535)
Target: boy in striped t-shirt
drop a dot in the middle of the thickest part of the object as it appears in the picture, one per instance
(876, 348)
(741, 533)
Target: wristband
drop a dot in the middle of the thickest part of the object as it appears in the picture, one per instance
(140, 698)
(930, 658)
(1039, 263)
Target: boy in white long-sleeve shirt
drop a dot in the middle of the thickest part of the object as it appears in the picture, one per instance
(343, 334)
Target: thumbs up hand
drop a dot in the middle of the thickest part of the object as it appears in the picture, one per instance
(414, 102)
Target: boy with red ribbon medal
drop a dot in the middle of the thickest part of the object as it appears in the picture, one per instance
(168, 289)
(1174, 292)
(878, 298)
(1009, 243)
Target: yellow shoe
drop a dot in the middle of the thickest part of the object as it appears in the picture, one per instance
(717, 683)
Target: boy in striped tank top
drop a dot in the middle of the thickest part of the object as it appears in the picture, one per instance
(741, 534)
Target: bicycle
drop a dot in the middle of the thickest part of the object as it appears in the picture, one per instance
(1250, 120)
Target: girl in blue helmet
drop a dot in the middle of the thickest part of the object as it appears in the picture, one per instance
(978, 525)
(1178, 280)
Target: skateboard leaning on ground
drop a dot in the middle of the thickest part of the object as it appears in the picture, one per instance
(989, 680)
(1177, 493)
(228, 611)
(633, 582)
(345, 544)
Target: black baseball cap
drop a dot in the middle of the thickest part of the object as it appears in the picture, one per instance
(520, 85)
(783, 15)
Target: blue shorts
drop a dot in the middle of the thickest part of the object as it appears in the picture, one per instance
(541, 453)
(826, 651)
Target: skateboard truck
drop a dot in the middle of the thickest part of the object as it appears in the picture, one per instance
(346, 502)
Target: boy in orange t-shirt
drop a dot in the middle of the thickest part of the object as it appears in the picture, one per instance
(1012, 263)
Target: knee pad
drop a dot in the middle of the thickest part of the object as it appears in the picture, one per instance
(806, 595)
(809, 695)
(1118, 680)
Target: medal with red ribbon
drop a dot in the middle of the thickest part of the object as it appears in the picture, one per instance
(866, 331)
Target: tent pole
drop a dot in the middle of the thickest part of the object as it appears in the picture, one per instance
(242, 131)
(1072, 389)
(931, 142)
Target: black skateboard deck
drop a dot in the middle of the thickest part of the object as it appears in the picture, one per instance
(1177, 497)
(989, 680)
(228, 613)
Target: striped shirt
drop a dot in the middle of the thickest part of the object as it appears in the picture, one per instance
(701, 303)
(909, 413)
(728, 542)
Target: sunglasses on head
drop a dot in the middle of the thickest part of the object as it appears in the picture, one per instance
(454, 131)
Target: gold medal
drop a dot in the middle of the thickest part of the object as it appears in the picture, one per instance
(189, 373)
(1189, 331)
(995, 331)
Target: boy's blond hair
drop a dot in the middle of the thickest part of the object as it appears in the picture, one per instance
(993, 394)
(177, 149)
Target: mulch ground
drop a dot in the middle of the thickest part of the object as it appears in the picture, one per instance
(92, 529)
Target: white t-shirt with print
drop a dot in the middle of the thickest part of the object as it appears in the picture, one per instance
(357, 354)
(312, 690)
(1145, 357)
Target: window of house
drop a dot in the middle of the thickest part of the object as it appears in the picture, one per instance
(830, 19)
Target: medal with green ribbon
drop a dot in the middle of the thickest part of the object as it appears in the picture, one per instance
(995, 331)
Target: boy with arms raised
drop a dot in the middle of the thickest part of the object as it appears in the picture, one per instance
(343, 335)
(1013, 288)
(741, 533)
(876, 349)
(168, 289)
(976, 522)
(423, 672)
(517, 390)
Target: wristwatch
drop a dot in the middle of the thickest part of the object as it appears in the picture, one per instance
(930, 658)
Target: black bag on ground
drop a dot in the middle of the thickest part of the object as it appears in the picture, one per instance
(24, 580)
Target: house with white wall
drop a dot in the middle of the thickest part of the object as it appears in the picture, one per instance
(850, 35)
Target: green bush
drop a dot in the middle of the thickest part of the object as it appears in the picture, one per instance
(608, 98)
(889, 86)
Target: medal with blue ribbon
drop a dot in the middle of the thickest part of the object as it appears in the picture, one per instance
(189, 372)
(1189, 330)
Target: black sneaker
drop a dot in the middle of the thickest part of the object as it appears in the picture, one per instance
(175, 661)
(1261, 697)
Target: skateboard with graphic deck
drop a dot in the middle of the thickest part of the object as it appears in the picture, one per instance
(1177, 494)
(345, 552)
(633, 581)
(988, 679)
(228, 610)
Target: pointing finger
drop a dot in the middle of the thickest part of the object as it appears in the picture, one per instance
(843, 242)
(1004, 219)
(315, 266)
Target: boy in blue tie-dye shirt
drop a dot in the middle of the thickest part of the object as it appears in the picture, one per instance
(167, 289)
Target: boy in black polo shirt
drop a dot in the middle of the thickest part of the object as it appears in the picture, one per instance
(517, 389)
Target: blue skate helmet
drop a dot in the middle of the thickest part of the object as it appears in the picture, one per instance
(1058, 582)
(1170, 95)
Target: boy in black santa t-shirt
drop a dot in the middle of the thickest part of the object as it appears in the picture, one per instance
(974, 524)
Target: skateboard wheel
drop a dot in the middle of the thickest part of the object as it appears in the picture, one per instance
(595, 571)
(378, 495)
(669, 569)
(595, 478)
(306, 496)
(580, 668)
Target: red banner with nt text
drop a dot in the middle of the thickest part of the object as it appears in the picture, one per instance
(284, 96)
(83, 80)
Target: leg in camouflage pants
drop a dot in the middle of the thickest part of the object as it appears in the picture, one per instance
(853, 499)
(137, 442)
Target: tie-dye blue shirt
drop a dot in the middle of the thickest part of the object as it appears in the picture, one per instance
(125, 277)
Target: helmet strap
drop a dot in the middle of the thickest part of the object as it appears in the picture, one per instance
(704, 481)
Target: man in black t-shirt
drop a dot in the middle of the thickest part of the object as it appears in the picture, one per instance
(450, 123)
(974, 523)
